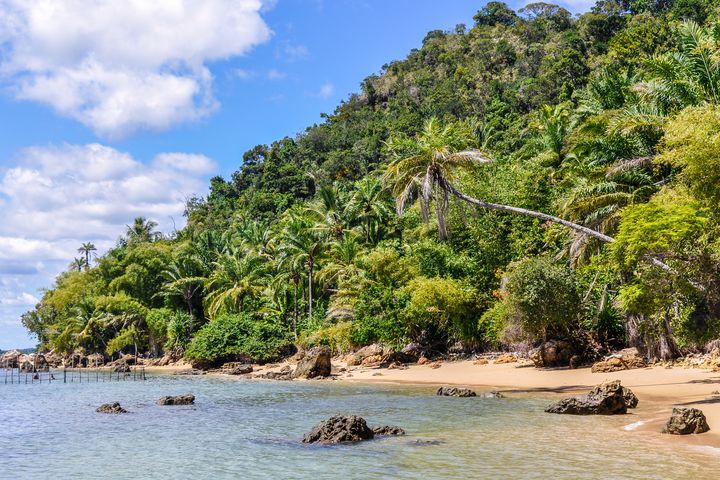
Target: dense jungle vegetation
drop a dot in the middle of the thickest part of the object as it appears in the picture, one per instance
(389, 221)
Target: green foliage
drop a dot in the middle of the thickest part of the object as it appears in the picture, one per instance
(229, 335)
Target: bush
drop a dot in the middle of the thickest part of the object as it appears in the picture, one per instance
(378, 316)
(337, 337)
(229, 335)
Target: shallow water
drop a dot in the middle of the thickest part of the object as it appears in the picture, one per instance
(252, 429)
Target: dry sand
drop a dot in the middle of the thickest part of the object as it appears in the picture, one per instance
(658, 388)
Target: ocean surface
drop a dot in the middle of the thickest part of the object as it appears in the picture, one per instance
(248, 429)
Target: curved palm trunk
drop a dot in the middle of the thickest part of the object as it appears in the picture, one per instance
(295, 305)
(543, 216)
(310, 287)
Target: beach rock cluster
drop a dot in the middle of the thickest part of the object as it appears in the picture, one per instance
(455, 392)
(315, 363)
(553, 353)
(237, 368)
(347, 428)
(112, 408)
(609, 398)
(177, 400)
(505, 358)
(285, 373)
(686, 421)
(626, 359)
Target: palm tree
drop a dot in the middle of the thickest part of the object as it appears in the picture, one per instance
(78, 263)
(689, 77)
(86, 249)
(300, 248)
(142, 230)
(184, 280)
(237, 277)
(330, 212)
(427, 166)
(368, 206)
(552, 125)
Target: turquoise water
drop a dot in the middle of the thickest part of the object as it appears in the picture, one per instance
(252, 430)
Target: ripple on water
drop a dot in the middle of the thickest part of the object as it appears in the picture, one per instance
(252, 429)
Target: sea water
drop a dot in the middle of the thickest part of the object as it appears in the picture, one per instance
(250, 429)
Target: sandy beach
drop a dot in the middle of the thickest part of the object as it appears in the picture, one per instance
(658, 388)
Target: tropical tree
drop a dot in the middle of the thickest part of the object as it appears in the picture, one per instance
(86, 249)
(78, 263)
(237, 278)
(368, 206)
(142, 230)
(184, 281)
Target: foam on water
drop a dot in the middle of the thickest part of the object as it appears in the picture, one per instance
(252, 430)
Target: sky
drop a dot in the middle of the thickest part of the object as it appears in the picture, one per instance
(108, 113)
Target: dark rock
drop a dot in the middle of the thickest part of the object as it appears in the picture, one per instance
(340, 428)
(177, 400)
(492, 395)
(242, 369)
(455, 392)
(553, 353)
(190, 371)
(111, 408)
(316, 363)
(685, 421)
(630, 399)
(285, 373)
(605, 399)
(413, 349)
(122, 368)
(387, 430)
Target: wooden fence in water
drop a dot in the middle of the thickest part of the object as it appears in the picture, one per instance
(70, 375)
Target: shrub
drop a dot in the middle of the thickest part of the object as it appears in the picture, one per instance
(378, 316)
(228, 335)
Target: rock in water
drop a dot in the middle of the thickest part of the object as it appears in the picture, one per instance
(316, 363)
(685, 421)
(340, 428)
(111, 408)
(177, 400)
(387, 430)
(455, 392)
(605, 399)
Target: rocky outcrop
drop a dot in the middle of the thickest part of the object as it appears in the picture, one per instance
(285, 373)
(605, 399)
(630, 399)
(95, 360)
(506, 358)
(553, 353)
(315, 363)
(685, 421)
(371, 351)
(236, 368)
(340, 428)
(626, 359)
(455, 392)
(113, 408)
(387, 430)
(177, 400)
(348, 428)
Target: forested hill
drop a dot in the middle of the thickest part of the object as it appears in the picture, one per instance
(557, 178)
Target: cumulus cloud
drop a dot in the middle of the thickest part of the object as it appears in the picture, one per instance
(54, 198)
(121, 66)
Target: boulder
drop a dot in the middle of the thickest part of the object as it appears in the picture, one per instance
(235, 368)
(372, 360)
(455, 392)
(492, 394)
(10, 359)
(340, 428)
(316, 363)
(626, 359)
(111, 408)
(506, 358)
(285, 373)
(413, 349)
(387, 430)
(177, 400)
(481, 361)
(95, 360)
(422, 360)
(357, 358)
(605, 399)
(121, 368)
(685, 421)
(553, 353)
(630, 399)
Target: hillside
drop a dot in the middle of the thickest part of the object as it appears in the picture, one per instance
(363, 228)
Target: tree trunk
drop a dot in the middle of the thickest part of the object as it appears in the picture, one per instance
(310, 288)
(295, 306)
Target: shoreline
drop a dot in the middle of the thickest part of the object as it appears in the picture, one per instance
(658, 389)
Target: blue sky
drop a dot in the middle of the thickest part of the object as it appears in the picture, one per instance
(108, 113)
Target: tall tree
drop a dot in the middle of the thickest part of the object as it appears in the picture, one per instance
(86, 249)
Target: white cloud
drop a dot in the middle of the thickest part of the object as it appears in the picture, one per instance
(275, 74)
(121, 66)
(295, 52)
(54, 198)
(243, 74)
(326, 90)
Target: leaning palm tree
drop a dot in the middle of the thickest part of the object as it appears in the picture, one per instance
(427, 166)
(86, 249)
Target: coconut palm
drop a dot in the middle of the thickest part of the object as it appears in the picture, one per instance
(238, 276)
(427, 167)
(142, 230)
(86, 249)
(330, 212)
(368, 206)
(78, 263)
(184, 280)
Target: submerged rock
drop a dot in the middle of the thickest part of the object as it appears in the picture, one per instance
(492, 394)
(455, 392)
(685, 421)
(605, 399)
(177, 400)
(340, 428)
(111, 408)
(315, 363)
(388, 430)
